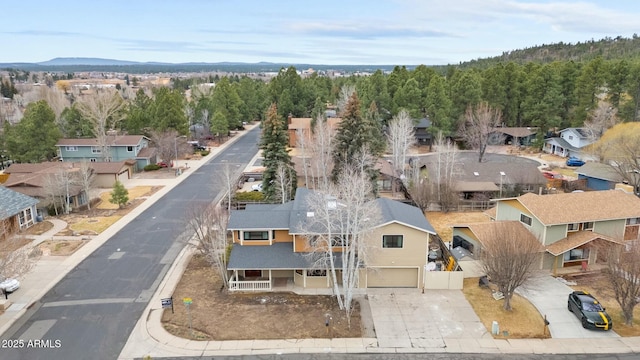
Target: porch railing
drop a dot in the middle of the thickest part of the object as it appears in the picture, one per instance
(249, 285)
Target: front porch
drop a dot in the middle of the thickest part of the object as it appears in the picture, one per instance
(299, 281)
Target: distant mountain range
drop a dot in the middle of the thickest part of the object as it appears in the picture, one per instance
(71, 64)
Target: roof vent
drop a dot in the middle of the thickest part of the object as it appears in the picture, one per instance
(310, 214)
(476, 173)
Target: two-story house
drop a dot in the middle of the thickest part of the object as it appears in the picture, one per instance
(271, 246)
(570, 226)
(120, 148)
(570, 143)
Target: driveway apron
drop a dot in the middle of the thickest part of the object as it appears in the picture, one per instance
(550, 296)
(407, 318)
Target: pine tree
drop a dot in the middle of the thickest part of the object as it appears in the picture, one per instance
(358, 142)
(275, 153)
(119, 195)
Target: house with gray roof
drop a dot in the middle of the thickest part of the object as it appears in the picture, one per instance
(17, 212)
(601, 176)
(570, 143)
(272, 245)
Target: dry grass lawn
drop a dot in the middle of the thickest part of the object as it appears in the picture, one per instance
(598, 286)
(134, 193)
(442, 222)
(60, 247)
(523, 322)
(219, 315)
(94, 225)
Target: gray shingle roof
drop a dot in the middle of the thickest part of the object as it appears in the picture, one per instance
(276, 256)
(12, 202)
(599, 171)
(561, 142)
(261, 216)
(410, 215)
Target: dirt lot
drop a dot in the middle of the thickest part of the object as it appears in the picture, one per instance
(220, 315)
(598, 285)
(60, 247)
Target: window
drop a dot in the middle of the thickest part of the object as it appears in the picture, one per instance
(316, 272)
(573, 227)
(256, 235)
(587, 225)
(392, 241)
(525, 219)
(71, 148)
(384, 184)
(633, 221)
(570, 137)
(129, 148)
(339, 240)
(96, 150)
(93, 160)
(576, 255)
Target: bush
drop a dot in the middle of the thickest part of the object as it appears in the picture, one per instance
(249, 196)
(152, 167)
(204, 152)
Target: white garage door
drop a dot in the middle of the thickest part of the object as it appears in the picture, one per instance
(123, 176)
(392, 277)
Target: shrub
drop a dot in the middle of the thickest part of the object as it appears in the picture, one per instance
(204, 152)
(152, 167)
(249, 196)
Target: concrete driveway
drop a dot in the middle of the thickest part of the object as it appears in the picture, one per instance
(549, 296)
(407, 318)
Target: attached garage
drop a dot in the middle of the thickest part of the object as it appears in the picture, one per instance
(392, 277)
(124, 175)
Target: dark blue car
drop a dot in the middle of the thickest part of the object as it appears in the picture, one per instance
(574, 161)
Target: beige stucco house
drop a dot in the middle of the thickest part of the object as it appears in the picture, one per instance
(270, 246)
(570, 226)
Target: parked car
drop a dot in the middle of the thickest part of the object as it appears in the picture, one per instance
(163, 164)
(551, 175)
(574, 161)
(256, 187)
(589, 311)
(10, 285)
(197, 146)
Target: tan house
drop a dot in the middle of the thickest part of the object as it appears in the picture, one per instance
(570, 226)
(302, 126)
(270, 244)
(31, 179)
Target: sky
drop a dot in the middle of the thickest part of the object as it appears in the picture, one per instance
(329, 32)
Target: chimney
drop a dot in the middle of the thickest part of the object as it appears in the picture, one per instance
(289, 119)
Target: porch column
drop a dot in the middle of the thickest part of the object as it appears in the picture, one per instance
(270, 281)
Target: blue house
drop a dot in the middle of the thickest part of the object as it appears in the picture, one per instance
(605, 177)
(17, 212)
(120, 148)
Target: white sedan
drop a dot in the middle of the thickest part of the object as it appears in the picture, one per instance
(256, 187)
(10, 285)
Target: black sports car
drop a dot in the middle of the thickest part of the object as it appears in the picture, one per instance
(589, 311)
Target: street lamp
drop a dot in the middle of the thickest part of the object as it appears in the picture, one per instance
(502, 174)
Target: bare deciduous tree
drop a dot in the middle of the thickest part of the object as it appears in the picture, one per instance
(340, 219)
(343, 98)
(623, 273)
(480, 122)
(57, 187)
(229, 176)
(169, 145)
(303, 152)
(284, 183)
(509, 258)
(209, 223)
(401, 137)
(320, 150)
(85, 177)
(420, 188)
(103, 110)
(447, 171)
(602, 118)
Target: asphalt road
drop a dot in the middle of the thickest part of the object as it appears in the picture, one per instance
(92, 311)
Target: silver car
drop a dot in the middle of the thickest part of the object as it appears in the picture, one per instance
(9, 285)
